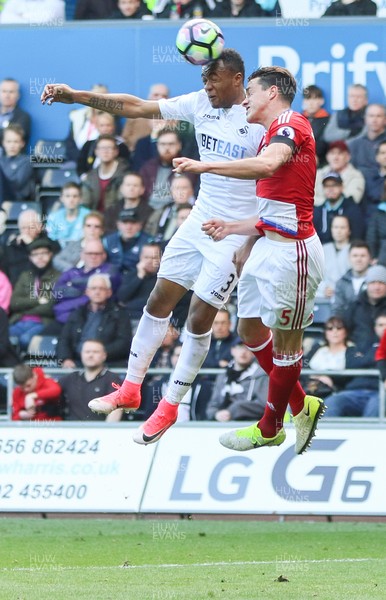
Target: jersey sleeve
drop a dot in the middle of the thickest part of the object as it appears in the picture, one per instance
(290, 129)
(182, 107)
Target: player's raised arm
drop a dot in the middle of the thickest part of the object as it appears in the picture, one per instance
(123, 105)
(258, 167)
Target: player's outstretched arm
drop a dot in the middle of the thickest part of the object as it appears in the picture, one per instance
(258, 167)
(218, 229)
(123, 105)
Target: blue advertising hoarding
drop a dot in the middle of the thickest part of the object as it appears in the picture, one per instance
(332, 53)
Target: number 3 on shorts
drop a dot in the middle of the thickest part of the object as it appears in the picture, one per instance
(285, 316)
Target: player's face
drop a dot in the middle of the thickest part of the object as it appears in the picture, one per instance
(256, 101)
(221, 85)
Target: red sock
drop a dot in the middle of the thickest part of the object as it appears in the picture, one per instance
(282, 380)
(264, 358)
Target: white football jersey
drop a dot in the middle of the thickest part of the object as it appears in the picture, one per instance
(221, 134)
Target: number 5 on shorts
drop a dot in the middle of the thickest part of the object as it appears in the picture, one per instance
(285, 316)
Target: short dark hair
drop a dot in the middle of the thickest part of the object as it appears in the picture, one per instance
(278, 76)
(313, 91)
(167, 130)
(72, 184)
(16, 128)
(230, 59)
(108, 137)
(359, 244)
(22, 373)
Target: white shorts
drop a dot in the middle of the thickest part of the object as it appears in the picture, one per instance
(279, 282)
(192, 259)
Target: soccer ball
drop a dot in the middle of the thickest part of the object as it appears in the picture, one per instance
(200, 41)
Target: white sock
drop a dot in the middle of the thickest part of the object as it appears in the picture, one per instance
(193, 353)
(148, 338)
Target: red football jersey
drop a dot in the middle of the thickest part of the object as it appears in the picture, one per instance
(286, 200)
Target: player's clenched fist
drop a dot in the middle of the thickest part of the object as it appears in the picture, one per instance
(57, 92)
(216, 229)
(188, 165)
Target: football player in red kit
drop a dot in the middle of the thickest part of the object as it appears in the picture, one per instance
(285, 262)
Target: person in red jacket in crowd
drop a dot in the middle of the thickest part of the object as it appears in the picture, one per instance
(36, 397)
(380, 358)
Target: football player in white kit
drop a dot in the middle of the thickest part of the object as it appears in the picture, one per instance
(191, 259)
(279, 280)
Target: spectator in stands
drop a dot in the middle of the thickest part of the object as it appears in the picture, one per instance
(158, 172)
(71, 285)
(5, 292)
(241, 392)
(348, 122)
(100, 185)
(94, 9)
(106, 125)
(124, 246)
(130, 193)
(79, 387)
(163, 222)
(332, 355)
(336, 203)
(352, 283)
(380, 357)
(186, 9)
(360, 316)
(100, 318)
(136, 286)
(351, 8)
(135, 129)
(375, 184)
(271, 8)
(219, 353)
(35, 397)
(130, 9)
(34, 294)
(237, 8)
(70, 255)
(360, 397)
(313, 102)
(8, 354)
(34, 11)
(376, 230)
(15, 258)
(336, 257)
(15, 167)
(83, 125)
(10, 112)
(364, 147)
(66, 223)
(338, 161)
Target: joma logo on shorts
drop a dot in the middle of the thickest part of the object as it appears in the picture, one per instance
(216, 295)
(178, 382)
(133, 354)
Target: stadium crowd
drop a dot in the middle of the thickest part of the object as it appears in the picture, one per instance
(82, 233)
